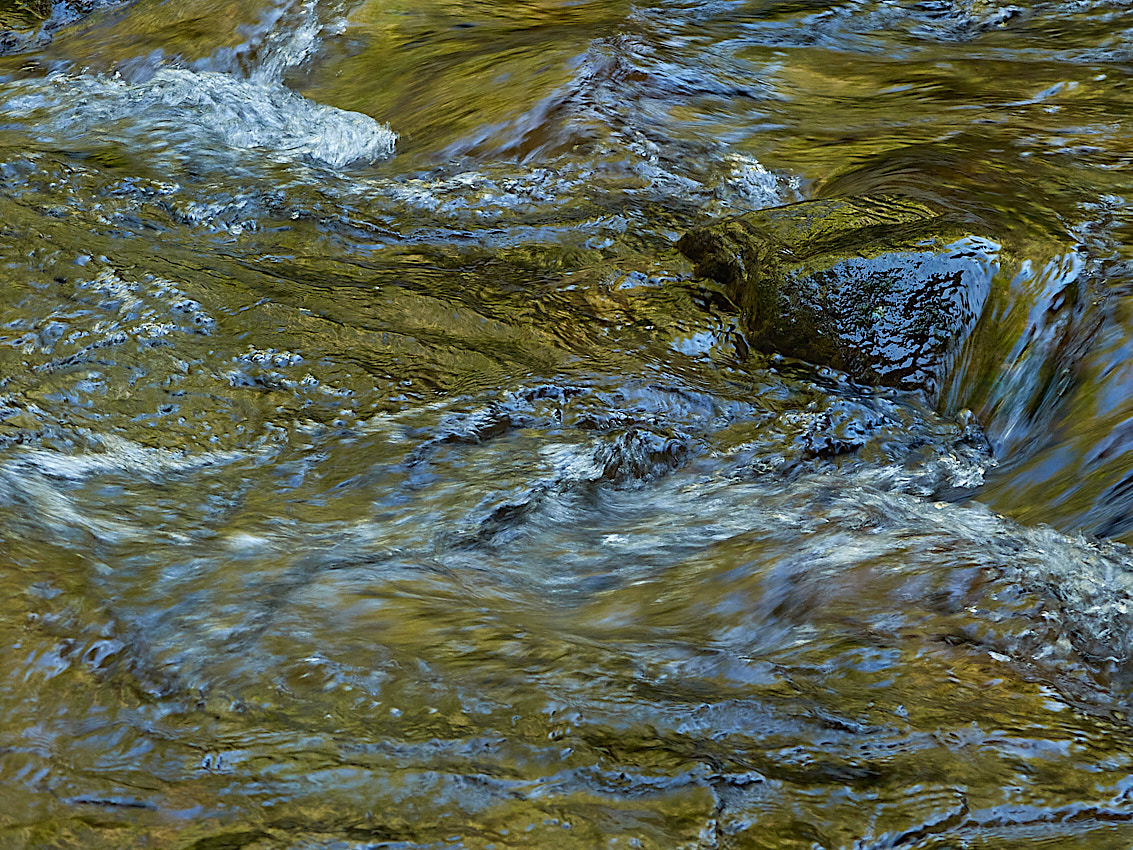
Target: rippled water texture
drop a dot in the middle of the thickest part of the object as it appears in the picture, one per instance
(375, 473)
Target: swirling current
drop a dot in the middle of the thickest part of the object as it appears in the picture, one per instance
(376, 473)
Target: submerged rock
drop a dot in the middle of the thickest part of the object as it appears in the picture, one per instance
(30, 24)
(23, 14)
(883, 288)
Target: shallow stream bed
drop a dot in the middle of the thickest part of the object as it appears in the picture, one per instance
(375, 473)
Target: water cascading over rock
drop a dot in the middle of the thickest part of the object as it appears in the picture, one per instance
(885, 289)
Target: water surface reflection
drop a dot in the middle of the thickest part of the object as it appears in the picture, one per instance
(374, 472)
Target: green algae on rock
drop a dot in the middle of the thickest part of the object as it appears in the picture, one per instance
(883, 288)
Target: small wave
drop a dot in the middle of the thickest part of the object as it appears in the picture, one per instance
(195, 111)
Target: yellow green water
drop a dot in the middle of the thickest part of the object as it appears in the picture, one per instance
(418, 497)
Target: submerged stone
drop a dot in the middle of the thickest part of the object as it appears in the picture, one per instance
(23, 14)
(885, 289)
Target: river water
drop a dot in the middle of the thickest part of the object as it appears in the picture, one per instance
(374, 473)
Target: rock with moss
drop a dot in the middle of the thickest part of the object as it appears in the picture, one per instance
(885, 289)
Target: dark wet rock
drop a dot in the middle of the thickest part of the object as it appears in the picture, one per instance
(883, 288)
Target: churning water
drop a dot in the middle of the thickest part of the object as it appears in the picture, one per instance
(374, 473)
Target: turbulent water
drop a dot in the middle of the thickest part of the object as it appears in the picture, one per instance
(374, 473)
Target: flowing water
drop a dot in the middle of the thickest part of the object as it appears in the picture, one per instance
(375, 473)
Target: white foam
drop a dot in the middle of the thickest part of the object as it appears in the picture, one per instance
(203, 109)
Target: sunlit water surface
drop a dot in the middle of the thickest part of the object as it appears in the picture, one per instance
(375, 473)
